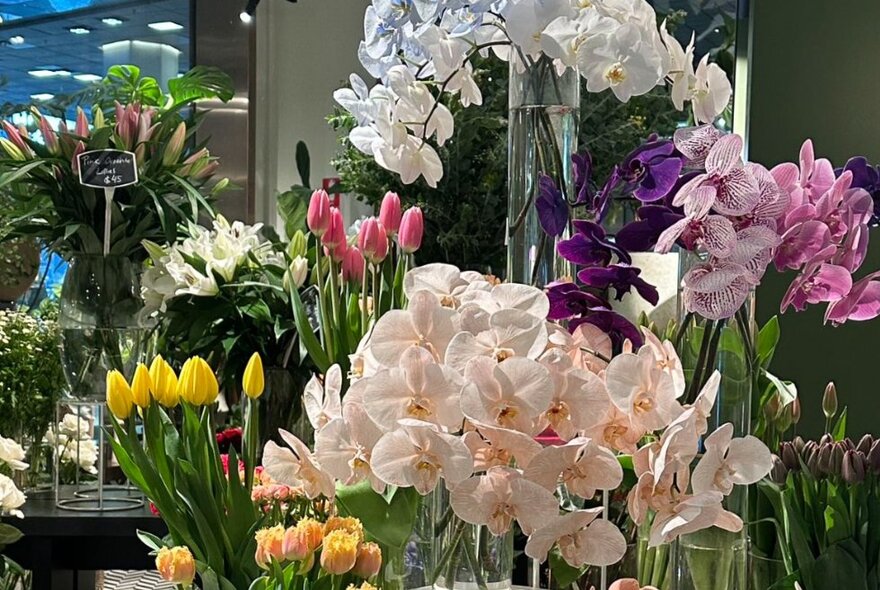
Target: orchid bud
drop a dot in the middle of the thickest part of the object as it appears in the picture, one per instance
(779, 472)
(298, 246)
(353, 266)
(334, 234)
(318, 216)
(838, 450)
(175, 146)
(829, 401)
(412, 230)
(390, 213)
(789, 456)
(82, 124)
(865, 444)
(853, 468)
(874, 457)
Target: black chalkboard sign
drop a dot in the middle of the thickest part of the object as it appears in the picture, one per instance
(107, 169)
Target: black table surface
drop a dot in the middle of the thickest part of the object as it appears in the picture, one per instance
(57, 539)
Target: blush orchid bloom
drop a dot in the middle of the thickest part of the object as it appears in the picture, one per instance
(580, 400)
(501, 496)
(344, 447)
(424, 323)
(525, 298)
(730, 461)
(691, 514)
(417, 455)
(666, 359)
(418, 389)
(322, 401)
(589, 348)
(446, 282)
(629, 584)
(297, 467)
(513, 394)
(641, 390)
(511, 333)
(500, 447)
(618, 431)
(582, 537)
(581, 465)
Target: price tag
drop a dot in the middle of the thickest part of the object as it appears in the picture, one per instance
(107, 169)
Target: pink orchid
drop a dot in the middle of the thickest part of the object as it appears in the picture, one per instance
(862, 303)
(816, 176)
(618, 431)
(629, 584)
(691, 514)
(582, 537)
(736, 189)
(819, 282)
(445, 281)
(666, 359)
(322, 401)
(511, 333)
(716, 289)
(509, 296)
(589, 347)
(803, 239)
(754, 249)
(641, 390)
(500, 447)
(581, 465)
(580, 400)
(696, 142)
(419, 389)
(424, 323)
(513, 394)
(501, 496)
(773, 199)
(731, 461)
(417, 454)
(344, 447)
(297, 467)
(699, 229)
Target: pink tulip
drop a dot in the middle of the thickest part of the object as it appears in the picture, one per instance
(390, 213)
(373, 240)
(318, 217)
(412, 230)
(353, 266)
(335, 233)
(337, 254)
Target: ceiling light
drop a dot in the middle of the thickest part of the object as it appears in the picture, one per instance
(165, 26)
(87, 77)
(112, 21)
(245, 17)
(42, 97)
(80, 30)
(17, 40)
(49, 73)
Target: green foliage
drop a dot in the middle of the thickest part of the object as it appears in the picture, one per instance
(388, 518)
(293, 205)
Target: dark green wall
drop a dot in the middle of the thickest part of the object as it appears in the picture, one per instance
(814, 74)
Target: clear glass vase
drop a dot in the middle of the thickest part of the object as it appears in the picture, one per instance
(543, 130)
(457, 555)
(281, 406)
(100, 321)
(765, 572)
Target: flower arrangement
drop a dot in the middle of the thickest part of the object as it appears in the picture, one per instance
(52, 206)
(73, 445)
(417, 47)
(12, 457)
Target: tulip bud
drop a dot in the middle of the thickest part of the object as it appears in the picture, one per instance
(296, 274)
(848, 443)
(141, 386)
(299, 245)
(337, 254)
(813, 464)
(294, 546)
(373, 240)
(119, 396)
(353, 266)
(335, 232)
(390, 213)
(789, 457)
(824, 459)
(826, 439)
(772, 408)
(253, 383)
(270, 542)
(176, 565)
(829, 401)
(312, 531)
(318, 216)
(779, 472)
(369, 561)
(865, 444)
(796, 411)
(853, 468)
(175, 146)
(197, 384)
(340, 552)
(838, 450)
(163, 383)
(412, 230)
(799, 444)
(874, 457)
(784, 420)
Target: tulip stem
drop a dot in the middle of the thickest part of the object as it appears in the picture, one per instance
(322, 304)
(251, 435)
(364, 312)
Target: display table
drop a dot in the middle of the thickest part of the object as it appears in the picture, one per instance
(59, 544)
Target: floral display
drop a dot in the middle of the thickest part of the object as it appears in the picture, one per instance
(12, 499)
(73, 444)
(416, 47)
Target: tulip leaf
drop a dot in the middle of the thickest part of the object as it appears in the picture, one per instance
(836, 524)
(839, 430)
(768, 338)
(150, 540)
(306, 335)
(842, 565)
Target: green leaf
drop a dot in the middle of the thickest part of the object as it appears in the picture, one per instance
(9, 535)
(307, 336)
(293, 207)
(201, 82)
(768, 339)
(389, 523)
(563, 574)
(839, 430)
(303, 163)
(841, 566)
(787, 390)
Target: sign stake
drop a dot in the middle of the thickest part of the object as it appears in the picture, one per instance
(108, 217)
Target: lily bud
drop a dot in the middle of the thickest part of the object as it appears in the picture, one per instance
(175, 146)
(390, 213)
(296, 274)
(353, 266)
(253, 383)
(412, 230)
(176, 565)
(163, 383)
(220, 186)
(829, 401)
(335, 231)
(779, 472)
(12, 150)
(50, 138)
(98, 116)
(318, 216)
(197, 384)
(82, 124)
(141, 386)
(119, 396)
(298, 246)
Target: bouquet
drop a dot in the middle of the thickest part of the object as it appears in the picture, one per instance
(12, 457)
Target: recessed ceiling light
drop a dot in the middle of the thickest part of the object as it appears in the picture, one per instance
(80, 30)
(112, 21)
(17, 40)
(49, 73)
(87, 77)
(165, 26)
(42, 97)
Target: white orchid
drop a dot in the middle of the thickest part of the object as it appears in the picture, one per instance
(625, 61)
(730, 461)
(511, 333)
(323, 401)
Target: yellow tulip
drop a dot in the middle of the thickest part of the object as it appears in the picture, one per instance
(163, 383)
(140, 386)
(254, 382)
(176, 565)
(197, 384)
(340, 552)
(119, 396)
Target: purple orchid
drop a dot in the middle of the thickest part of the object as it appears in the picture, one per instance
(652, 170)
(583, 178)
(552, 208)
(567, 300)
(618, 328)
(623, 278)
(642, 235)
(590, 246)
(867, 177)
